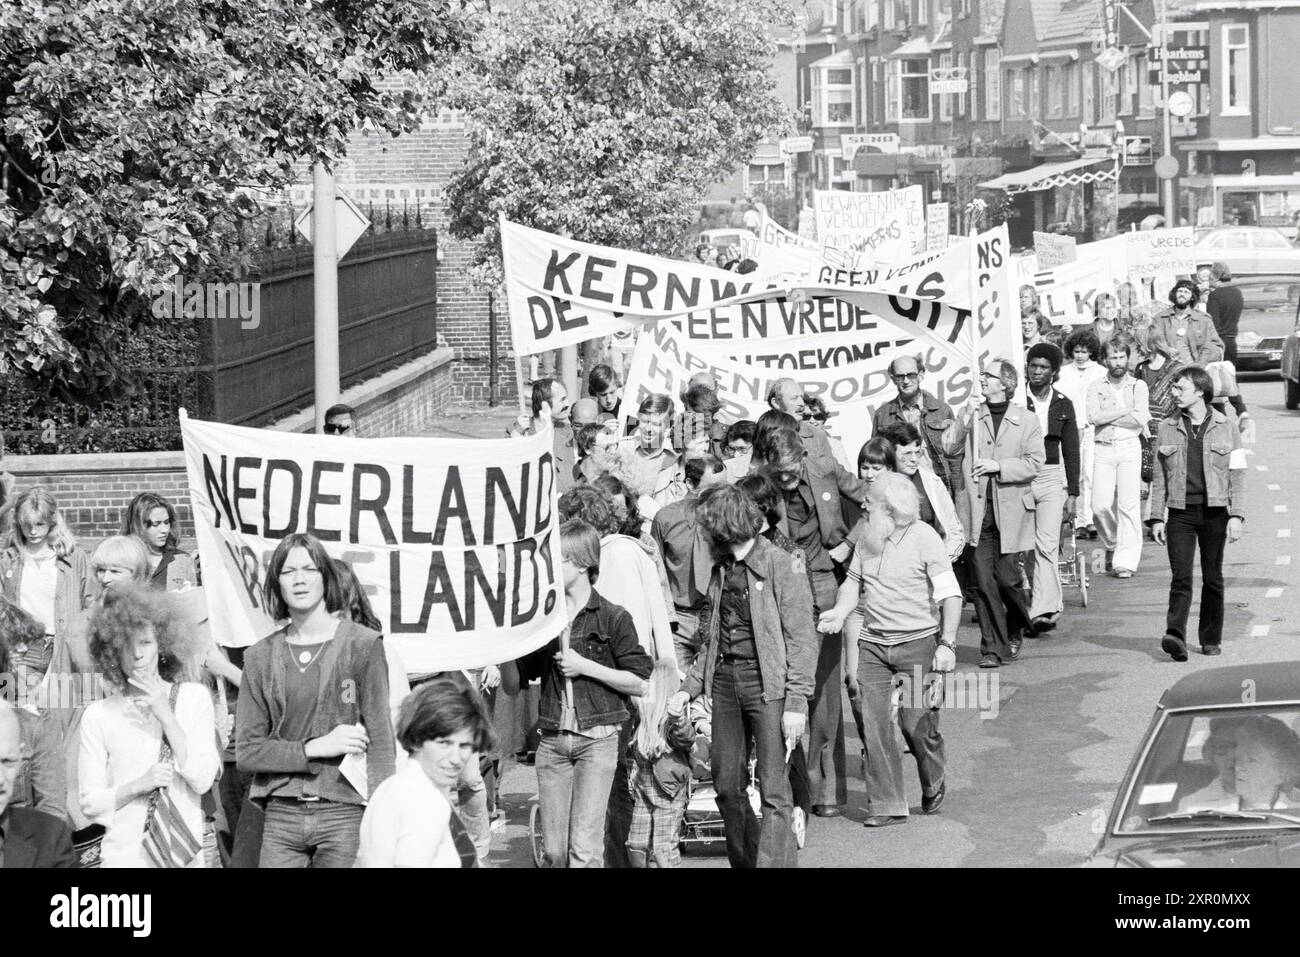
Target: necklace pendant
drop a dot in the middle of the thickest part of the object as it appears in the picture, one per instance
(304, 657)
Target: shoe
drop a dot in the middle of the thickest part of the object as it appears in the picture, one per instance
(799, 824)
(1174, 647)
(1013, 648)
(884, 820)
(827, 810)
(990, 661)
(1211, 650)
(1122, 573)
(1042, 624)
(931, 805)
(1092, 532)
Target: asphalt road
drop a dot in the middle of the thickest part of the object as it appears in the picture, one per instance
(1031, 784)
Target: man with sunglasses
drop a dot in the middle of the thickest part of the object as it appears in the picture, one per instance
(997, 506)
(924, 412)
(341, 420)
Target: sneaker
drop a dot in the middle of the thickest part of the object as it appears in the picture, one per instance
(1122, 573)
(1043, 624)
(1174, 647)
(799, 824)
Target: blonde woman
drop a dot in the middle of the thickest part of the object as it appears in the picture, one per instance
(44, 572)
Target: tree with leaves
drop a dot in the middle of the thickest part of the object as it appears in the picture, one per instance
(607, 120)
(138, 135)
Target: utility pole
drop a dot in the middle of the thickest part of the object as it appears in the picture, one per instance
(325, 283)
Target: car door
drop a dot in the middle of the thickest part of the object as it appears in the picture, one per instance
(1237, 252)
(1274, 254)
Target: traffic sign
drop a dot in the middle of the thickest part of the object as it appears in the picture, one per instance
(349, 224)
(1137, 151)
(796, 144)
(1167, 167)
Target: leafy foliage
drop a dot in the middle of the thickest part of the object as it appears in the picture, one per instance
(608, 119)
(138, 135)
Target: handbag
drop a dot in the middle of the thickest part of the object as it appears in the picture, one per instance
(1148, 458)
(168, 840)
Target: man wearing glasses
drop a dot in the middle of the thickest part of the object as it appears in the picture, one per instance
(997, 506)
(924, 412)
(341, 420)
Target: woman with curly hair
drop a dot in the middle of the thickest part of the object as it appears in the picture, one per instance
(154, 734)
(44, 572)
(1076, 377)
(152, 519)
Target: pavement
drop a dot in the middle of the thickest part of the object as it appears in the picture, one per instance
(1031, 780)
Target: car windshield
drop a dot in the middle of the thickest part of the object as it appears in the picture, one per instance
(1237, 767)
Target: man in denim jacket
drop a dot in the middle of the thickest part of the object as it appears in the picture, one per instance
(757, 663)
(1200, 479)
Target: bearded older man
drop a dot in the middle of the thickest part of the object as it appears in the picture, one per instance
(901, 568)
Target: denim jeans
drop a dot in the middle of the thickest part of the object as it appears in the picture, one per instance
(574, 776)
(1184, 531)
(740, 713)
(686, 637)
(878, 666)
(312, 834)
(827, 778)
(618, 816)
(235, 805)
(997, 591)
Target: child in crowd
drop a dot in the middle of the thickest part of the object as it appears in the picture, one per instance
(661, 748)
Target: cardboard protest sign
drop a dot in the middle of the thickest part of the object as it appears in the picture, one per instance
(887, 225)
(1053, 249)
(456, 543)
(936, 227)
(1157, 252)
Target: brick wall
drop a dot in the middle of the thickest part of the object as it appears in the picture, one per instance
(94, 490)
(415, 168)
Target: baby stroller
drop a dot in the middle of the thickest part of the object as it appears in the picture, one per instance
(1071, 563)
(702, 822)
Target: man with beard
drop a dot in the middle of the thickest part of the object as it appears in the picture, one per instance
(997, 506)
(901, 569)
(813, 489)
(757, 664)
(1119, 409)
(926, 413)
(1056, 487)
(1187, 331)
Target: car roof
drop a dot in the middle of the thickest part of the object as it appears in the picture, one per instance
(1266, 682)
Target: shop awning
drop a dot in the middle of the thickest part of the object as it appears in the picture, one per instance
(1086, 169)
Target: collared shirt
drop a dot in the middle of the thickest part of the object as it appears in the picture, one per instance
(805, 529)
(661, 472)
(674, 532)
(903, 585)
(735, 623)
(1131, 395)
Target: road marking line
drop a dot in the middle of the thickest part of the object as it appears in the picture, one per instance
(1284, 533)
(1273, 488)
(1259, 631)
(1279, 509)
(1261, 468)
(1283, 560)
(1273, 593)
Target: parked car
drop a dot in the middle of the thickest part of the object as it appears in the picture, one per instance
(1291, 364)
(1216, 779)
(1248, 250)
(1268, 314)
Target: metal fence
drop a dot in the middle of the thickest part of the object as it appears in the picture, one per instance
(388, 305)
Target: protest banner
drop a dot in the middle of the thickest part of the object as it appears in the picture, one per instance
(456, 543)
(664, 361)
(1067, 294)
(887, 225)
(1053, 249)
(936, 227)
(1156, 252)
